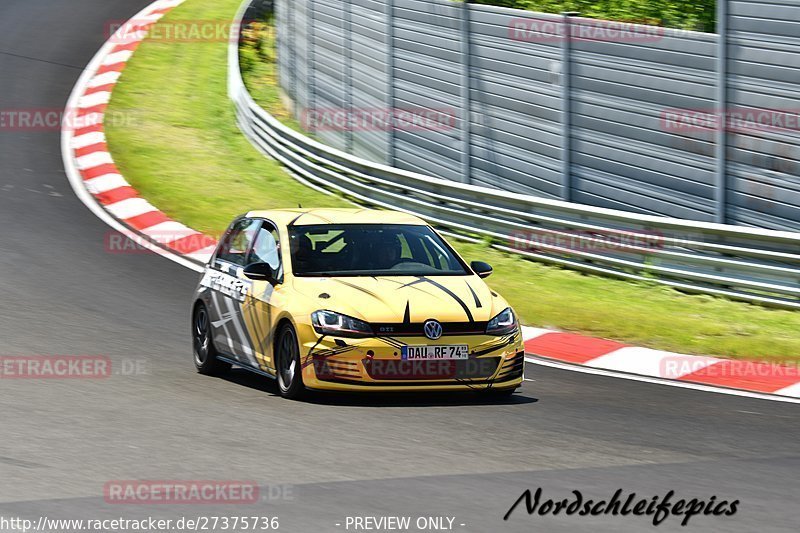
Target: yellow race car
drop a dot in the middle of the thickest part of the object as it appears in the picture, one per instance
(352, 300)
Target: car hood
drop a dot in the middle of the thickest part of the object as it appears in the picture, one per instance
(396, 299)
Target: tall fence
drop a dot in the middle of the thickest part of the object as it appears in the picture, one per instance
(752, 264)
(631, 117)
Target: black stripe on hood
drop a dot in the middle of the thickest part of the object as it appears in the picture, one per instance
(477, 301)
(450, 293)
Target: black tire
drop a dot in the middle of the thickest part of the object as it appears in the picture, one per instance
(287, 364)
(203, 350)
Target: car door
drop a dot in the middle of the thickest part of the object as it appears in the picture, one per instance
(264, 300)
(229, 289)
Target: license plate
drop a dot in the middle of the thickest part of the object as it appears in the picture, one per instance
(445, 351)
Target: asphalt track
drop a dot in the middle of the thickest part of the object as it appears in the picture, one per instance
(336, 456)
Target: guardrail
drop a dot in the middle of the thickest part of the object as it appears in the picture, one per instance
(759, 266)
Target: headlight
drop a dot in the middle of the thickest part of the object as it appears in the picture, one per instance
(330, 323)
(503, 323)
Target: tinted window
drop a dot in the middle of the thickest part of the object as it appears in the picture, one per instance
(237, 242)
(367, 249)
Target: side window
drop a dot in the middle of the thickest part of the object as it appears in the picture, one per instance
(237, 242)
(267, 248)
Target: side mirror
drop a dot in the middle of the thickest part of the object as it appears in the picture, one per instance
(260, 272)
(483, 270)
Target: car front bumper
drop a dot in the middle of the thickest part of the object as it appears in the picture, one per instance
(376, 364)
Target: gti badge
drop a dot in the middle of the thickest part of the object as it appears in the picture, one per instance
(433, 329)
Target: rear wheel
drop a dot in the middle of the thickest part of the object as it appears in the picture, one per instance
(287, 358)
(205, 355)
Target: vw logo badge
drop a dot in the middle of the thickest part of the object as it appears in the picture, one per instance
(433, 329)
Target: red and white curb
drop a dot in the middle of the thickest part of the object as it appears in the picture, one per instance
(746, 378)
(101, 187)
(90, 167)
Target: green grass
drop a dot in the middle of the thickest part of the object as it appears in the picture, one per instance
(181, 147)
(685, 14)
(185, 154)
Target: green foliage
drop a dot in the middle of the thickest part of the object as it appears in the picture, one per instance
(258, 45)
(258, 62)
(696, 15)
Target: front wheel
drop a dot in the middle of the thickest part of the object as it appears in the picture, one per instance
(290, 373)
(205, 355)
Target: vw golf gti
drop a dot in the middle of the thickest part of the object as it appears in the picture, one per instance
(352, 300)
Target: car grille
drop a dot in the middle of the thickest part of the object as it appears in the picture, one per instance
(420, 372)
(431, 370)
(416, 330)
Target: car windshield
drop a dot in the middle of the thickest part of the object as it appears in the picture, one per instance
(371, 249)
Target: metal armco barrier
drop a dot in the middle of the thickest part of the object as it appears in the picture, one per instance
(760, 266)
(650, 120)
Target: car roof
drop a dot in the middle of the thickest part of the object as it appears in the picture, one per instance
(315, 216)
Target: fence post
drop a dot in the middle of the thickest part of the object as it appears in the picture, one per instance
(311, 68)
(721, 148)
(292, 42)
(280, 55)
(390, 93)
(348, 74)
(466, 107)
(566, 105)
